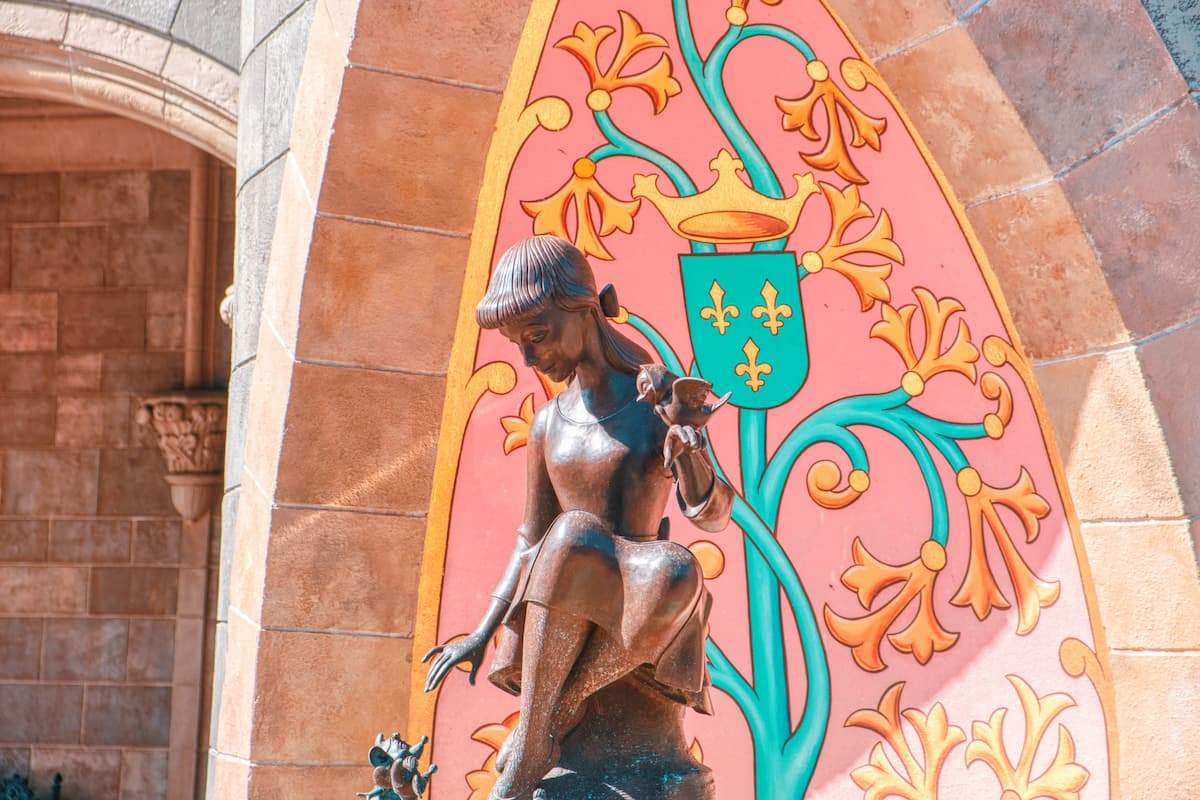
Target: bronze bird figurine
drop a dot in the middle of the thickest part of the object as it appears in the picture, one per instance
(679, 401)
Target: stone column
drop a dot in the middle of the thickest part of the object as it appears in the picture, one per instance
(190, 428)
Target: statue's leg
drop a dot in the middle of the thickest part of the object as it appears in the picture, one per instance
(552, 644)
(604, 661)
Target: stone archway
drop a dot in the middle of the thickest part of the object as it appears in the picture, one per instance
(1036, 201)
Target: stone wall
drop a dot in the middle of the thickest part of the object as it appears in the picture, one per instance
(103, 591)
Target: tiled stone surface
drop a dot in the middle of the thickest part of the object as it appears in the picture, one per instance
(1137, 202)
(26, 420)
(156, 541)
(1059, 298)
(367, 267)
(89, 540)
(881, 26)
(211, 26)
(257, 202)
(27, 373)
(14, 759)
(1176, 23)
(283, 64)
(41, 714)
(29, 197)
(1170, 364)
(141, 372)
(95, 196)
(305, 588)
(28, 321)
(348, 463)
(1117, 462)
(150, 591)
(1078, 78)
(102, 320)
(23, 590)
(365, 179)
(20, 657)
(85, 649)
(291, 702)
(151, 650)
(50, 256)
(51, 481)
(1155, 605)
(128, 715)
(153, 14)
(301, 782)
(433, 40)
(132, 482)
(90, 774)
(964, 116)
(23, 539)
(1156, 693)
(94, 420)
(144, 775)
(154, 254)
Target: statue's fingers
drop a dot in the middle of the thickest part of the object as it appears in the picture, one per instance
(474, 670)
(668, 452)
(433, 651)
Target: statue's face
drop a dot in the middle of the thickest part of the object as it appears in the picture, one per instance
(552, 341)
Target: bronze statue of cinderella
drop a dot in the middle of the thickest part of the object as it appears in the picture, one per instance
(601, 619)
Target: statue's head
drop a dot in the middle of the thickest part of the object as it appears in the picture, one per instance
(543, 297)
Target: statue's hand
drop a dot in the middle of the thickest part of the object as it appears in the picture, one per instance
(681, 439)
(469, 649)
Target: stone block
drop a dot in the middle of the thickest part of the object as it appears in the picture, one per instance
(133, 716)
(43, 590)
(212, 27)
(102, 320)
(27, 373)
(152, 254)
(198, 541)
(28, 321)
(170, 195)
(285, 51)
(435, 184)
(22, 650)
(1080, 78)
(33, 22)
(165, 317)
(144, 775)
(86, 773)
(454, 41)
(1136, 201)
(85, 649)
(58, 256)
(302, 782)
(1117, 462)
(1176, 23)
(343, 446)
(1170, 364)
(105, 196)
(41, 713)
(1157, 604)
(5, 258)
(89, 540)
(14, 759)
(964, 116)
(149, 591)
(193, 590)
(23, 539)
(1045, 263)
(78, 372)
(257, 207)
(93, 420)
(51, 481)
(118, 40)
(252, 127)
(1155, 695)
(305, 588)
(151, 650)
(239, 695)
(201, 75)
(267, 15)
(291, 702)
(882, 26)
(156, 541)
(133, 483)
(229, 506)
(141, 372)
(153, 14)
(26, 420)
(367, 267)
(31, 197)
(241, 379)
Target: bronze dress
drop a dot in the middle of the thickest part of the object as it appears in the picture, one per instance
(599, 492)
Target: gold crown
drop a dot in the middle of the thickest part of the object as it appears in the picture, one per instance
(729, 211)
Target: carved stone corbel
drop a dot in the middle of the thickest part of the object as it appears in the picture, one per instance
(190, 427)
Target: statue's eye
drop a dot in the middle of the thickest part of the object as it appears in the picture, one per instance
(537, 337)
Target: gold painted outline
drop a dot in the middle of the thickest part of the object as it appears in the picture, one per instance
(1025, 370)
(504, 148)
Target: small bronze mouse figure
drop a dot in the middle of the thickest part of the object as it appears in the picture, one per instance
(679, 401)
(397, 775)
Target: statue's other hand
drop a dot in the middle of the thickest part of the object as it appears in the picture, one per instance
(681, 439)
(469, 649)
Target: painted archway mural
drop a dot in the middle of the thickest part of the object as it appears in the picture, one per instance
(901, 607)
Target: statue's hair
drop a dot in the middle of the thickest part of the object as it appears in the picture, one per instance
(545, 269)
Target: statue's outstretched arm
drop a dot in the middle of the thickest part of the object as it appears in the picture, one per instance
(703, 497)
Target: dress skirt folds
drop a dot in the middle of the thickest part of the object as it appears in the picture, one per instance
(646, 595)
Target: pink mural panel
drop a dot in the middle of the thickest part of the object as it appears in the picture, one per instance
(903, 541)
